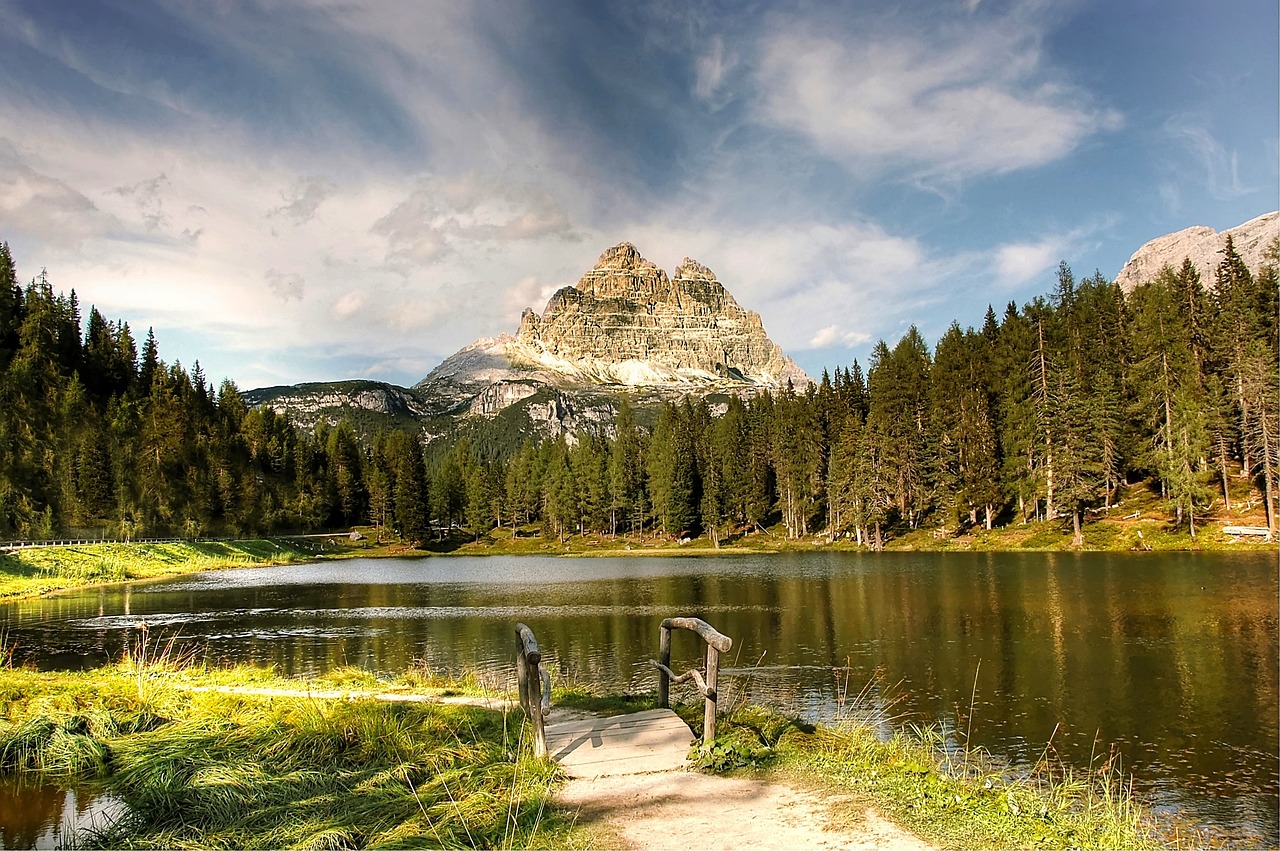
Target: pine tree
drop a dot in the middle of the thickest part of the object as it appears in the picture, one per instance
(626, 473)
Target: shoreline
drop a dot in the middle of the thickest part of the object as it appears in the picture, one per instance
(36, 572)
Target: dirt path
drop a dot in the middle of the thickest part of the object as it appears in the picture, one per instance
(680, 809)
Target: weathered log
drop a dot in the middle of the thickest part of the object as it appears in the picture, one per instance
(528, 644)
(692, 673)
(704, 630)
(534, 685)
(1250, 531)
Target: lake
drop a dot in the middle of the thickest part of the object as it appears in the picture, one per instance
(1170, 658)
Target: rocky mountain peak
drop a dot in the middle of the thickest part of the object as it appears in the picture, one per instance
(627, 324)
(691, 270)
(621, 273)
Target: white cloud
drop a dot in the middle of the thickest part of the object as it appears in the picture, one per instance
(833, 335)
(303, 198)
(1018, 263)
(942, 108)
(529, 291)
(349, 304)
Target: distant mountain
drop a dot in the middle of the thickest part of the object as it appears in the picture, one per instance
(626, 330)
(1204, 246)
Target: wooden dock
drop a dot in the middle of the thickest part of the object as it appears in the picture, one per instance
(639, 743)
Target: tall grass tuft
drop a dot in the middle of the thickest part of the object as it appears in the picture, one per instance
(211, 769)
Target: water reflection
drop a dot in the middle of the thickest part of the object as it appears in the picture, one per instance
(1173, 657)
(40, 815)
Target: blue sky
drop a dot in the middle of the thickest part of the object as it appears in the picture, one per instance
(300, 191)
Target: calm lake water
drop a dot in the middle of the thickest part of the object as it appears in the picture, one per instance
(1172, 658)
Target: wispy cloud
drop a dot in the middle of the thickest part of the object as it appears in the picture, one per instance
(354, 186)
(971, 101)
(712, 68)
(438, 214)
(1220, 168)
(45, 208)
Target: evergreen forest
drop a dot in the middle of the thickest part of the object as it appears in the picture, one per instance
(1047, 411)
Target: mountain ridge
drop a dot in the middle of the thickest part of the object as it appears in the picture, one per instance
(625, 329)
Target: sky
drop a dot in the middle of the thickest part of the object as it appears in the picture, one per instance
(311, 190)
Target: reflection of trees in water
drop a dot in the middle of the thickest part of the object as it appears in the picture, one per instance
(34, 814)
(31, 812)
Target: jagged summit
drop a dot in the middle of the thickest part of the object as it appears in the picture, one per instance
(624, 327)
(627, 323)
(1204, 246)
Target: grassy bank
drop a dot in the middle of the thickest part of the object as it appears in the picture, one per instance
(1143, 534)
(950, 797)
(208, 769)
(38, 570)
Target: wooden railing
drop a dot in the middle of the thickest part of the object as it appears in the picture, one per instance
(535, 685)
(716, 644)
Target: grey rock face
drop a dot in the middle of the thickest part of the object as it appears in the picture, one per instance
(627, 323)
(626, 329)
(1204, 246)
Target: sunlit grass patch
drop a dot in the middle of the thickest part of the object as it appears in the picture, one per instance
(210, 769)
(947, 794)
(37, 570)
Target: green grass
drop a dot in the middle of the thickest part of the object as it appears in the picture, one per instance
(30, 572)
(949, 796)
(208, 769)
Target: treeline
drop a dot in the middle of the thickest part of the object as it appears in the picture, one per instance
(1046, 411)
(97, 438)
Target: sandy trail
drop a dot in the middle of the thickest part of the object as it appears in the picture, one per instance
(679, 809)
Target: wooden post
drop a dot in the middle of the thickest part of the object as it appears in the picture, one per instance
(664, 656)
(534, 709)
(709, 711)
(530, 681)
(522, 679)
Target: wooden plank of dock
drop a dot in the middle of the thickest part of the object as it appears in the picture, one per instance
(639, 743)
